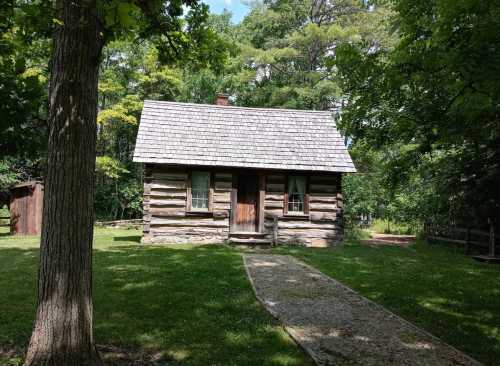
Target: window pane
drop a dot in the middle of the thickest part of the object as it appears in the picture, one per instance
(200, 185)
(296, 191)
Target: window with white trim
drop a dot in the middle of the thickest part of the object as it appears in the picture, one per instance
(200, 190)
(296, 193)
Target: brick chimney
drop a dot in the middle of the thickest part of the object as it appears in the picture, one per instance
(222, 99)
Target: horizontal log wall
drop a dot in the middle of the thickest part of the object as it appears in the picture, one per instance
(166, 219)
(321, 227)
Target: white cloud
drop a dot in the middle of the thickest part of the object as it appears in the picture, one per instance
(227, 2)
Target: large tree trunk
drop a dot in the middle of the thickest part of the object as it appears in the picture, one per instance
(62, 332)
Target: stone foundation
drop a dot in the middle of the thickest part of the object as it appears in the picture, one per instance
(183, 239)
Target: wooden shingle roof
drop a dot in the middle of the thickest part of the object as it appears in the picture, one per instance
(226, 136)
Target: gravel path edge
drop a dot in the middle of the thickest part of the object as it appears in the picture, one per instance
(273, 313)
(347, 288)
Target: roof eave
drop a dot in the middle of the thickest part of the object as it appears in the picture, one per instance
(316, 168)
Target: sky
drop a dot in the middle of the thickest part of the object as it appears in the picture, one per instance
(237, 7)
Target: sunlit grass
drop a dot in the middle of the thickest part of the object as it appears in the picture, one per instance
(389, 227)
(356, 233)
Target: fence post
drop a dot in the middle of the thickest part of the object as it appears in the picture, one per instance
(275, 230)
(492, 238)
(467, 242)
(428, 231)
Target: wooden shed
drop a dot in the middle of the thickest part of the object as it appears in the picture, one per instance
(246, 175)
(26, 207)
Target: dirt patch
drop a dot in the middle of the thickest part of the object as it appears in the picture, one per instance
(121, 356)
(389, 239)
(10, 356)
(111, 355)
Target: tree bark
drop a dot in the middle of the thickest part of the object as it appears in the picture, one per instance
(62, 331)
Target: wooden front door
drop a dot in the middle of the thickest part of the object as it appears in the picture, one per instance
(247, 206)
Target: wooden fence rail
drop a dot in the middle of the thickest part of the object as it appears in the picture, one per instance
(132, 222)
(115, 223)
(467, 236)
(4, 218)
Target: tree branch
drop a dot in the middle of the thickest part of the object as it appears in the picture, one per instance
(156, 22)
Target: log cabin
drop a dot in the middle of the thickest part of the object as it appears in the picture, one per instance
(220, 173)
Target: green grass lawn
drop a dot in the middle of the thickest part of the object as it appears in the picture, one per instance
(192, 305)
(436, 288)
(189, 305)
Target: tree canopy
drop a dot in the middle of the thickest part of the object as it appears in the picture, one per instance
(433, 99)
(414, 87)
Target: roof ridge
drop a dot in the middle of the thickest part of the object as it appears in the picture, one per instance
(288, 110)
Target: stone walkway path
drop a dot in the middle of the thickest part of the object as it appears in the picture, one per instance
(336, 325)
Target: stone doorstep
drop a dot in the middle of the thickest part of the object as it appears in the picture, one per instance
(249, 238)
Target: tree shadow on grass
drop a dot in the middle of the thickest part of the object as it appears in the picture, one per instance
(130, 238)
(194, 305)
(158, 306)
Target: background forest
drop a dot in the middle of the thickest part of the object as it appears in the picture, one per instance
(414, 86)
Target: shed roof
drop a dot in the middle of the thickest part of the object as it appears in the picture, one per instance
(29, 183)
(227, 136)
